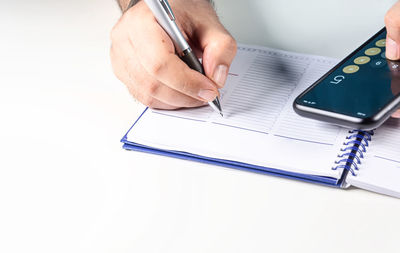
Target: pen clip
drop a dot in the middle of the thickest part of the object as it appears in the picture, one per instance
(168, 10)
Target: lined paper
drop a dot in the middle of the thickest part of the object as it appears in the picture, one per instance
(262, 93)
(259, 93)
(293, 126)
(259, 126)
(386, 141)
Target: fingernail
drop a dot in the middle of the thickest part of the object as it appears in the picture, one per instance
(207, 95)
(220, 75)
(392, 50)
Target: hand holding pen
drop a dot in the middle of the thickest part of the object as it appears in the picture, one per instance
(144, 56)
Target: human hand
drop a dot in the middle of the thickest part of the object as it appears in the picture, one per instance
(143, 56)
(392, 20)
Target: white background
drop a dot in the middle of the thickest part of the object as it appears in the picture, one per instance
(66, 185)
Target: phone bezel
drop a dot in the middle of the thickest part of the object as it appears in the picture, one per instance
(343, 119)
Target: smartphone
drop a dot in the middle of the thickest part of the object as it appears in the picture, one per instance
(361, 92)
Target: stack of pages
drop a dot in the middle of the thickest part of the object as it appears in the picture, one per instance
(261, 133)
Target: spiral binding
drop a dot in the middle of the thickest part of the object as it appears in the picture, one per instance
(352, 153)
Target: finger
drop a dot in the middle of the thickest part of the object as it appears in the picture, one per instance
(120, 54)
(392, 20)
(137, 93)
(143, 97)
(148, 100)
(396, 114)
(157, 56)
(158, 90)
(219, 49)
(174, 98)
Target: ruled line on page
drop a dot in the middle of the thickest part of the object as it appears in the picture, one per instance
(256, 102)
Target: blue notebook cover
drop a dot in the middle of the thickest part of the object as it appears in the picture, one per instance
(230, 164)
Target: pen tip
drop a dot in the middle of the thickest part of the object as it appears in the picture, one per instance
(222, 115)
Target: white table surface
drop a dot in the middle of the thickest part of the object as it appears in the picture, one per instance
(66, 185)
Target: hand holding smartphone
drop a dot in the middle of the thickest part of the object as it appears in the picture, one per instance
(361, 92)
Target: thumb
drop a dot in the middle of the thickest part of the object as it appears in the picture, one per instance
(392, 20)
(219, 49)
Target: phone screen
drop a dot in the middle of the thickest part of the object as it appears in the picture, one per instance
(361, 85)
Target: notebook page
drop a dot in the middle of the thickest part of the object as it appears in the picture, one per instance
(290, 125)
(381, 170)
(259, 126)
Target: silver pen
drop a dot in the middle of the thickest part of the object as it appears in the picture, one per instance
(165, 17)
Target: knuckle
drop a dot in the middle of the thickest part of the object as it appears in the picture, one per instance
(232, 45)
(149, 101)
(152, 88)
(229, 43)
(157, 68)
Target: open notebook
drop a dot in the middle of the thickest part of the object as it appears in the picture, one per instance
(260, 131)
